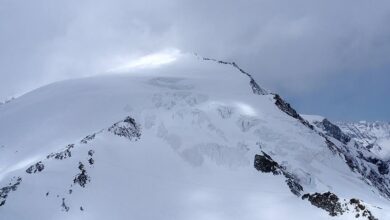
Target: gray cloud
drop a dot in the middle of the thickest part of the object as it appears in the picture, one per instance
(296, 47)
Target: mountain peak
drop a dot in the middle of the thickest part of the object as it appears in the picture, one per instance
(186, 140)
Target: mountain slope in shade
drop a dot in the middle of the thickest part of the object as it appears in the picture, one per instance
(194, 139)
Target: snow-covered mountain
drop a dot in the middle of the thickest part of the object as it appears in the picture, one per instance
(374, 135)
(196, 138)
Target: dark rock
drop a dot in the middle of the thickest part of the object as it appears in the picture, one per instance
(286, 107)
(331, 146)
(88, 138)
(127, 128)
(265, 164)
(333, 131)
(294, 186)
(326, 201)
(91, 161)
(63, 154)
(370, 146)
(372, 160)
(383, 167)
(38, 167)
(7, 189)
(362, 209)
(82, 178)
(256, 89)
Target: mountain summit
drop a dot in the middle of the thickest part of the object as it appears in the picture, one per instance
(196, 138)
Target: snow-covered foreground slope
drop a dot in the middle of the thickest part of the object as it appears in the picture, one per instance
(194, 139)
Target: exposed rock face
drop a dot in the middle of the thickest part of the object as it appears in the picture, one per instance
(293, 184)
(383, 167)
(82, 178)
(266, 164)
(331, 146)
(333, 131)
(62, 154)
(91, 161)
(334, 206)
(286, 107)
(38, 167)
(88, 138)
(327, 201)
(361, 210)
(127, 128)
(13, 185)
(256, 89)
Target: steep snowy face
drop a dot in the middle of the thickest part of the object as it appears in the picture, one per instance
(373, 168)
(375, 136)
(194, 139)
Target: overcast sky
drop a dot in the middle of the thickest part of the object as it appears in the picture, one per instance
(326, 57)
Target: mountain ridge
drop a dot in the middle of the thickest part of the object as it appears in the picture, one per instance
(194, 141)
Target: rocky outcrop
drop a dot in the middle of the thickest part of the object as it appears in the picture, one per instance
(286, 108)
(127, 128)
(88, 138)
(38, 167)
(326, 201)
(266, 164)
(333, 131)
(335, 206)
(82, 178)
(361, 210)
(91, 161)
(383, 167)
(12, 186)
(66, 153)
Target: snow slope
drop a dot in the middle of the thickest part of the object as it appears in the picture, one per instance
(373, 135)
(174, 142)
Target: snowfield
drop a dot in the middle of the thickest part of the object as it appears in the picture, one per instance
(178, 142)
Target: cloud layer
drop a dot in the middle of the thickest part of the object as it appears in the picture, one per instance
(298, 47)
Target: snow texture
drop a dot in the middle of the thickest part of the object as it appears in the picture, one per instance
(191, 139)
